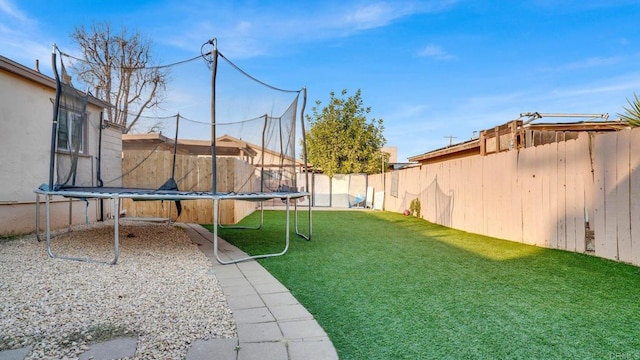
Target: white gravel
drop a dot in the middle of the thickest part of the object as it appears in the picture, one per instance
(161, 291)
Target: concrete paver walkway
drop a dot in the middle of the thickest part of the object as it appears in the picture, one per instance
(271, 323)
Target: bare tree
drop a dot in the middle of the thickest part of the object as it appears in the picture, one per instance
(120, 67)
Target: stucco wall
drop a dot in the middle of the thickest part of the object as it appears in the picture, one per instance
(25, 131)
(26, 111)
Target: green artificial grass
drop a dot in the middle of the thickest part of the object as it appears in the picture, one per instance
(387, 286)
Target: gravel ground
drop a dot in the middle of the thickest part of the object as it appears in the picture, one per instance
(161, 291)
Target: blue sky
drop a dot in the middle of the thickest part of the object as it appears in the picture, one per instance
(429, 69)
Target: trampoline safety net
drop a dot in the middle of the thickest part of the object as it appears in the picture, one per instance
(228, 136)
(233, 133)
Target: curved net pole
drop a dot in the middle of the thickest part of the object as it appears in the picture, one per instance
(262, 148)
(306, 172)
(52, 153)
(54, 126)
(214, 69)
(171, 183)
(175, 148)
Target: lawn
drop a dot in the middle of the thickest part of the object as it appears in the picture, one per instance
(387, 286)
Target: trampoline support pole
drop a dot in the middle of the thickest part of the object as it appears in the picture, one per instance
(233, 261)
(295, 211)
(38, 218)
(70, 213)
(116, 237)
(116, 229)
(47, 215)
(258, 227)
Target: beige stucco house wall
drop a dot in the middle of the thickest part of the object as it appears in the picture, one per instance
(26, 111)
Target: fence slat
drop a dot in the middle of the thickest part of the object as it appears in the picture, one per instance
(634, 190)
(623, 225)
(571, 205)
(561, 200)
(549, 214)
(605, 179)
(584, 190)
(516, 197)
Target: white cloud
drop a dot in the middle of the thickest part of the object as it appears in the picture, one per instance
(618, 86)
(244, 26)
(587, 63)
(296, 23)
(20, 38)
(378, 14)
(371, 16)
(436, 52)
(9, 9)
(411, 110)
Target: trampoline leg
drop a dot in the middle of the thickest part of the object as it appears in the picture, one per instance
(38, 218)
(258, 227)
(70, 213)
(116, 239)
(233, 261)
(116, 230)
(47, 212)
(306, 237)
(215, 231)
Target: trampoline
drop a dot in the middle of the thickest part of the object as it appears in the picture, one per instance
(272, 175)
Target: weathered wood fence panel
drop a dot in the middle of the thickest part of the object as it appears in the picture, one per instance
(149, 169)
(578, 195)
(634, 194)
(605, 181)
(623, 209)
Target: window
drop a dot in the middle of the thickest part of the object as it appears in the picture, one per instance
(70, 131)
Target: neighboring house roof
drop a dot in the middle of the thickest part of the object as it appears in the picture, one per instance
(464, 149)
(515, 135)
(38, 77)
(225, 145)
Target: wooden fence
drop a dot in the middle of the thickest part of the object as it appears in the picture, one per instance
(151, 168)
(578, 195)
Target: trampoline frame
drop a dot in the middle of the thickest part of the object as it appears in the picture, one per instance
(117, 194)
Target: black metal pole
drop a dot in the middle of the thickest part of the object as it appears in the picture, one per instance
(100, 127)
(175, 148)
(100, 182)
(304, 140)
(262, 180)
(214, 172)
(54, 125)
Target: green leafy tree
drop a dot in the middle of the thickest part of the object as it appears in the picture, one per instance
(341, 140)
(632, 113)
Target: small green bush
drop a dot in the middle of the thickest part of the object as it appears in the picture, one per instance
(414, 207)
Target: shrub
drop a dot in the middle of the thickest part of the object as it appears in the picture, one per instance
(414, 207)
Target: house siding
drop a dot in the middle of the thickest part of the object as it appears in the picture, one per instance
(26, 110)
(112, 156)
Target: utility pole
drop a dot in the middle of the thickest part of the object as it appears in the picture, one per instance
(450, 139)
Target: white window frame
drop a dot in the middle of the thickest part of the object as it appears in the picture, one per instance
(66, 145)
